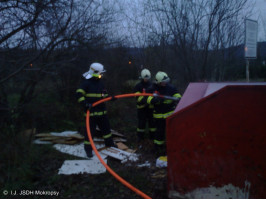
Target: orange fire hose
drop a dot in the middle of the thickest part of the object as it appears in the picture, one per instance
(124, 182)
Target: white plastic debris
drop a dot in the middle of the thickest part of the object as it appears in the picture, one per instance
(92, 166)
(64, 133)
(77, 150)
(146, 164)
(161, 162)
(38, 141)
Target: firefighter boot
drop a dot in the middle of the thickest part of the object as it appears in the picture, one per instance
(88, 150)
(109, 142)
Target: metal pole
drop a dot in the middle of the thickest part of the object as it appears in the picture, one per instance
(247, 70)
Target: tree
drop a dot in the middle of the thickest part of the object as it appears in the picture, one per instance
(193, 29)
(37, 39)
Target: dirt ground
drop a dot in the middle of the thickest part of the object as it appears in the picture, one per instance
(150, 180)
(43, 176)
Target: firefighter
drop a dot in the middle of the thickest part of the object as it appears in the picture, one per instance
(91, 90)
(144, 111)
(162, 108)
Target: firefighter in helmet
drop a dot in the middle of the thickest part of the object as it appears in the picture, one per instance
(91, 90)
(144, 111)
(163, 107)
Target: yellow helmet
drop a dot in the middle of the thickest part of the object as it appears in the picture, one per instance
(145, 74)
(161, 77)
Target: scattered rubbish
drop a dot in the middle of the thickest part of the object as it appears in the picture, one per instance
(66, 137)
(124, 147)
(37, 141)
(91, 166)
(146, 164)
(159, 174)
(121, 146)
(119, 154)
(76, 150)
(116, 133)
(71, 137)
(115, 139)
(70, 142)
(131, 150)
(161, 162)
(67, 134)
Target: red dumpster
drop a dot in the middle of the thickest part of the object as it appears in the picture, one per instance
(216, 142)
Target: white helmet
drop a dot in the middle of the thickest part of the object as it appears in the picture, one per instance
(161, 77)
(96, 70)
(145, 74)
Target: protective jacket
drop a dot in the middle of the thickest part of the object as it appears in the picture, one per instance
(162, 107)
(141, 87)
(90, 91)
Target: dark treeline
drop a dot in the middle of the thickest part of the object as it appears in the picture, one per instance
(40, 94)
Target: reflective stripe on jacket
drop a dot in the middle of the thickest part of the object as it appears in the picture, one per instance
(90, 91)
(165, 107)
(140, 88)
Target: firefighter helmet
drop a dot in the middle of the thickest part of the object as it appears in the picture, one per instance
(96, 70)
(145, 74)
(161, 77)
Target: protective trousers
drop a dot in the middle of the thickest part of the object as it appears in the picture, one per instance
(159, 137)
(103, 123)
(144, 117)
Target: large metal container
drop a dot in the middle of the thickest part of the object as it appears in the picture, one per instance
(216, 142)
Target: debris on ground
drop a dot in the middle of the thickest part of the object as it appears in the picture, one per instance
(71, 142)
(124, 147)
(115, 139)
(146, 164)
(161, 162)
(38, 141)
(115, 133)
(159, 174)
(71, 137)
(119, 154)
(91, 166)
(77, 150)
(66, 137)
